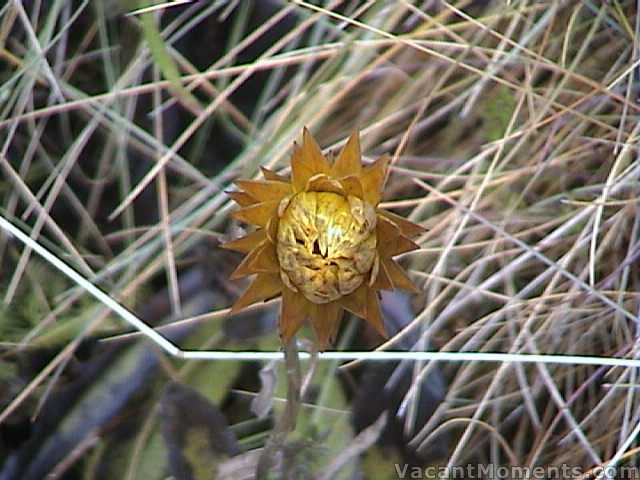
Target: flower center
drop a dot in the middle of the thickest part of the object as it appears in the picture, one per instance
(326, 244)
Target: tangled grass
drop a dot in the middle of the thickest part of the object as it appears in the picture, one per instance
(513, 131)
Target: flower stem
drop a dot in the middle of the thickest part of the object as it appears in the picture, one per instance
(287, 422)
(294, 383)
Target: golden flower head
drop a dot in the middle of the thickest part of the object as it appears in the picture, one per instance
(321, 241)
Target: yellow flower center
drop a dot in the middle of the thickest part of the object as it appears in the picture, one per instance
(326, 244)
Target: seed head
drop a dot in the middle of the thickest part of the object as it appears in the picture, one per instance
(321, 241)
(326, 244)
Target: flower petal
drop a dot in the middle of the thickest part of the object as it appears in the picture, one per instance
(264, 287)
(391, 241)
(356, 302)
(272, 229)
(388, 233)
(325, 319)
(374, 315)
(323, 183)
(266, 259)
(404, 245)
(349, 160)
(273, 176)
(398, 276)
(372, 179)
(258, 214)
(244, 268)
(242, 198)
(408, 229)
(352, 186)
(265, 190)
(307, 162)
(247, 243)
(312, 153)
(382, 281)
(293, 312)
(301, 171)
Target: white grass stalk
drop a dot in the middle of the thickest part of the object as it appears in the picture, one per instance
(173, 350)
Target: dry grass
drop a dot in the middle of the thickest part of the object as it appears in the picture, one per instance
(513, 129)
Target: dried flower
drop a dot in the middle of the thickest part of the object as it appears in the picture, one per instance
(321, 241)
